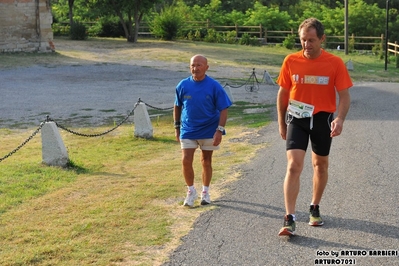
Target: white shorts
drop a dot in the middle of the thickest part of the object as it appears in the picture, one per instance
(203, 144)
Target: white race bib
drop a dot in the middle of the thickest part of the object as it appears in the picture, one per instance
(299, 109)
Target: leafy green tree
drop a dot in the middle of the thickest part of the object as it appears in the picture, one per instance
(210, 12)
(270, 17)
(129, 12)
(365, 20)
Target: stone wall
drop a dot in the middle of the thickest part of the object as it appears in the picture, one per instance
(25, 26)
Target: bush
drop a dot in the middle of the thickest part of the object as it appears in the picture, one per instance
(378, 51)
(231, 37)
(78, 31)
(289, 42)
(213, 36)
(60, 29)
(111, 27)
(246, 39)
(167, 25)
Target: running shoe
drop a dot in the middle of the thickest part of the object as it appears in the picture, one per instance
(289, 226)
(190, 198)
(314, 216)
(205, 198)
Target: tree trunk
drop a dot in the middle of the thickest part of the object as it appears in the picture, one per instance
(131, 30)
(70, 4)
(137, 20)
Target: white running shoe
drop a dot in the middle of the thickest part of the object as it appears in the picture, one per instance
(190, 198)
(205, 198)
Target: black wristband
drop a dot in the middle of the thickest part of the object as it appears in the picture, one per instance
(177, 124)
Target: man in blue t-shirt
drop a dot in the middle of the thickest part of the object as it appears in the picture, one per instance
(200, 114)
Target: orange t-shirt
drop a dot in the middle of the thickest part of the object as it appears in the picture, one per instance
(314, 81)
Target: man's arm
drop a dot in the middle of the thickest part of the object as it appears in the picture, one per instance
(217, 137)
(282, 104)
(343, 108)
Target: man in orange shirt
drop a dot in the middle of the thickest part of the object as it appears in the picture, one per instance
(306, 103)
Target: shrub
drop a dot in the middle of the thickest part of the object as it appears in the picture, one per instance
(289, 41)
(111, 27)
(378, 51)
(78, 31)
(167, 25)
(60, 29)
(231, 37)
(213, 36)
(246, 39)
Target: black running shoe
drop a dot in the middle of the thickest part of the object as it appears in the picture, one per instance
(289, 226)
(314, 216)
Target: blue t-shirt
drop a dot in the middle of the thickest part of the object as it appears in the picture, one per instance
(201, 103)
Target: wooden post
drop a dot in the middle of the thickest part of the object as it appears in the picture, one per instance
(396, 54)
(382, 40)
(265, 35)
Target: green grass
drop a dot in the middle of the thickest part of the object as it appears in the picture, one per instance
(118, 202)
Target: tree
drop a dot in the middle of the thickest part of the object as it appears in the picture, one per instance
(130, 12)
(70, 4)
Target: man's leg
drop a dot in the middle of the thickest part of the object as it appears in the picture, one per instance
(320, 176)
(295, 161)
(187, 166)
(206, 161)
(188, 172)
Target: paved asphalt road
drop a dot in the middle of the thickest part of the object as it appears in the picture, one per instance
(360, 205)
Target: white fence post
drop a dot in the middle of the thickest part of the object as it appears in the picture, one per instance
(142, 123)
(268, 79)
(229, 94)
(54, 152)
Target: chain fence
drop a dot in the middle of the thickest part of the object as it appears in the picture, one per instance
(48, 119)
(251, 85)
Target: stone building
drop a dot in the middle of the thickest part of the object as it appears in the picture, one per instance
(25, 26)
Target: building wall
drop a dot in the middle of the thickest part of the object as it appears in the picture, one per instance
(25, 26)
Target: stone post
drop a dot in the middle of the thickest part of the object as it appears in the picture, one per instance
(54, 152)
(142, 123)
(229, 94)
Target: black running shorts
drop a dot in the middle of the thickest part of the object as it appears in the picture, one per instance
(299, 132)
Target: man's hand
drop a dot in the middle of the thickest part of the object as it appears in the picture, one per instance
(217, 138)
(336, 127)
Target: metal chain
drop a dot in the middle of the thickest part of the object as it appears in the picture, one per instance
(252, 76)
(157, 108)
(98, 134)
(48, 119)
(23, 143)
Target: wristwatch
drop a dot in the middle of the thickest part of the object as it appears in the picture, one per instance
(220, 128)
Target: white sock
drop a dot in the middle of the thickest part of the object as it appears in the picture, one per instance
(191, 188)
(205, 189)
(293, 217)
